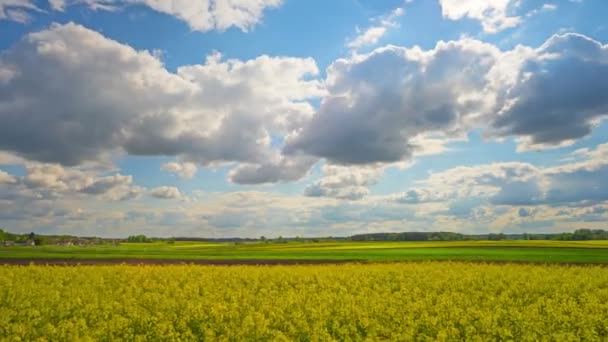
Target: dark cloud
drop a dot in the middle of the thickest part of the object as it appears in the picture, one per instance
(523, 212)
(284, 169)
(165, 192)
(379, 102)
(558, 93)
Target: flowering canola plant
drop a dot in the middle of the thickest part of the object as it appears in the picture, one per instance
(350, 302)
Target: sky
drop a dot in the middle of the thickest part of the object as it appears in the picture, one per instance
(249, 118)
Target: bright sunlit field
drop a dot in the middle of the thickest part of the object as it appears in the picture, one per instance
(525, 251)
(397, 302)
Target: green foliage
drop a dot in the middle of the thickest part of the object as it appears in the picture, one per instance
(497, 237)
(40, 240)
(411, 236)
(280, 239)
(138, 238)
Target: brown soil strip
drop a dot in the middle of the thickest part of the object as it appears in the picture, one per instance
(75, 262)
(254, 262)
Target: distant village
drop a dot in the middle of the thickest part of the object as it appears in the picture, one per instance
(8, 239)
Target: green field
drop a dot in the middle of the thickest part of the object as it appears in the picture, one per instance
(516, 251)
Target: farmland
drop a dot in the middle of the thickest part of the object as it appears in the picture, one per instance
(539, 251)
(456, 290)
(397, 301)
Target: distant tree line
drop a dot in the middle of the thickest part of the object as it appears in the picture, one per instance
(584, 234)
(579, 234)
(411, 236)
(20, 238)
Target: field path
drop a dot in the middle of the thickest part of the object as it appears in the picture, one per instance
(254, 262)
(119, 261)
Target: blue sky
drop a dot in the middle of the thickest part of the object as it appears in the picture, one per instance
(284, 117)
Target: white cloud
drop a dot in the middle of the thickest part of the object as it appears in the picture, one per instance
(57, 5)
(200, 15)
(17, 10)
(6, 178)
(368, 37)
(52, 181)
(205, 15)
(416, 196)
(519, 184)
(549, 7)
(342, 182)
(493, 14)
(185, 170)
(141, 108)
(165, 192)
(373, 34)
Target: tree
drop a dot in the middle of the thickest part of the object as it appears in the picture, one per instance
(40, 240)
(2, 235)
(138, 238)
(496, 237)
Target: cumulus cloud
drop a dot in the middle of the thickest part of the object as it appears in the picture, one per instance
(185, 170)
(6, 178)
(57, 5)
(53, 181)
(207, 15)
(373, 34)
(519, 184)
(165, 192)
(101, 97)
(55, 178)
(380, 102)
(417, 196)
(351, 183)
(558, 95)
(116, 187)
(276, 169)
(368, 37)
(381, 107)
(493, 15)
(17, 10)
(204, 15)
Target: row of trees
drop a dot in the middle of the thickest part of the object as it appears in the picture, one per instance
(579, 234)
(412, 236)
(21, 238)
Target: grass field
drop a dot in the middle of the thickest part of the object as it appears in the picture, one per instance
(517, 251)
(353, 302)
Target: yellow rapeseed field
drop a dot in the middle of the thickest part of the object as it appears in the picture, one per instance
(393, 301)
